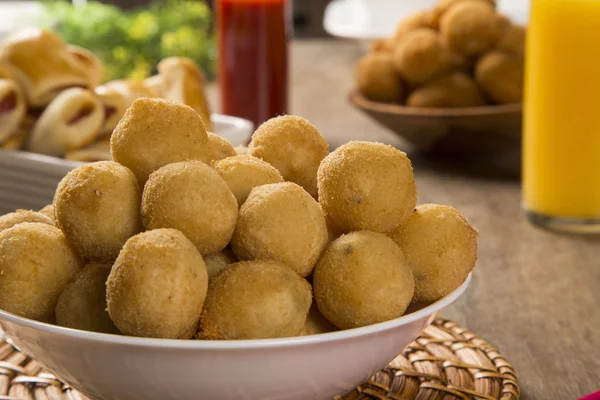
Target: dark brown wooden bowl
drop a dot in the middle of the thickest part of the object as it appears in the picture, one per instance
(470, 130)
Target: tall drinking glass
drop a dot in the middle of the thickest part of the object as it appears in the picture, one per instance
(561, 155)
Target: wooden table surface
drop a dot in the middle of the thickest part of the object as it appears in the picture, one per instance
(535, 294)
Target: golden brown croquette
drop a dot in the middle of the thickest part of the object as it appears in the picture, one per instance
(362, 279)
(97, 206)
(440, 247)
(282, 222)
(37, 263)
(292, 145)
(255, 300)
(366, 185)
(157, 286)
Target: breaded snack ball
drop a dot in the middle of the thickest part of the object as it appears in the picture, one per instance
(382, 45)
(455, 89)
(421, 19)
(366, 185)
(241, 150)
(471, 27)
(82, 305)
(243, 173)
(316, 323)
(191, 197)
(220, 147)
(513, 40)
(440, 247)
(444, 5)
(282, 222)
(421, 55)
(293, 146)
(259, 299)
(377, 79)
(362, 279)
(48, 211)
(501, 77)
(18, 217)
(157, 286)
(37, 263)
(97, 206)
(156, 132)
(217, 262)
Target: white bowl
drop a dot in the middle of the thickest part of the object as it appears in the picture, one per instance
(111, 367)
(373, 19)
(28, 180)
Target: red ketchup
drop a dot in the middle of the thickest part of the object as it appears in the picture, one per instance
(253, 36)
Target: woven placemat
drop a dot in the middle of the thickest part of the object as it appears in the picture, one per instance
(447, 362)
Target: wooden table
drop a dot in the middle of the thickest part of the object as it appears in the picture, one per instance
(535, 294)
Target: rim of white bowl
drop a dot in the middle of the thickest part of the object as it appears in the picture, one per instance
(238, 125)
(241, 344)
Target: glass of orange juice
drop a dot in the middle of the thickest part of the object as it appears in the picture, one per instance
(561, 140)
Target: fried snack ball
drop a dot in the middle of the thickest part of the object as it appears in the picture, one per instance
(156, 132)
(97, 207)
(421, 55)
(513, 40)
(48, 211)
(157, 286)
(362, 279)
(191, 197)
(243, 173)
(440, 247)
(421, 19)
(220, 147)
(377, 79)
(444, 5)
(316, 323)
(472, 27)
(82, 305)
(366, 186)
(282, 222)
(501, 77)
(18, 217)
(455, 89)
(241, 150)
(258, 299)
(37, 263)
(293, 146)
(217, 262)
(382, 45)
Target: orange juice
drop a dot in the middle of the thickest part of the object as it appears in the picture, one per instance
(561, 155)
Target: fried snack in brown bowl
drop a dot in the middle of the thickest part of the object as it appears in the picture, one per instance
(449, 81)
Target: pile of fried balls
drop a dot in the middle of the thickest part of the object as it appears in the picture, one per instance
(461, 53)
(181, 237)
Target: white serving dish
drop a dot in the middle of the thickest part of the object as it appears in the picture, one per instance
(369, 19)
(374, 19)
(28, 180)
(111, 367)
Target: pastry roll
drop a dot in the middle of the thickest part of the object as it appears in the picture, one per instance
(97, 151)
(156, 84)
(184, 81)
(90, 63)
(115, 105)
(41, 65)
(131, 89)
(16, 141)
(12, 108)
(71, 121)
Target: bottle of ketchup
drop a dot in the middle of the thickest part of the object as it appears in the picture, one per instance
(253, 37)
